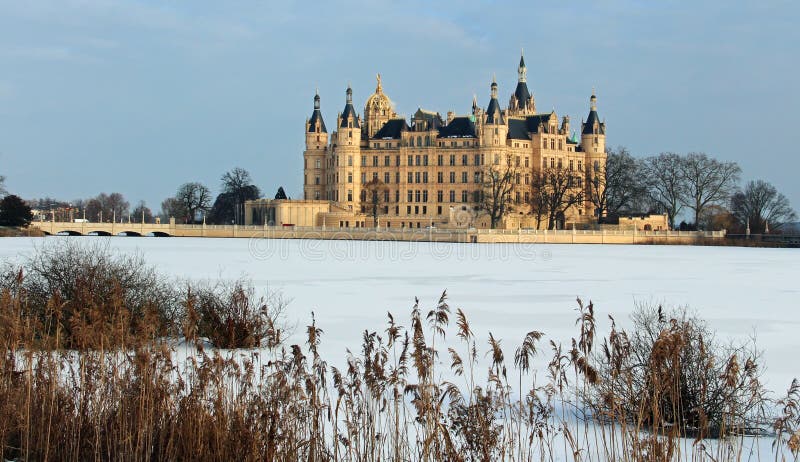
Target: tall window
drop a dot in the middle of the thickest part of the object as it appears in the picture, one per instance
(452, 196)
(387, 178)
(452, 177)
(463, 177)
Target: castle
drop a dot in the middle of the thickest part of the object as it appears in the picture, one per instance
(432, 170)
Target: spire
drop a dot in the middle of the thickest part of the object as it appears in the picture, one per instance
(379, 88)
(474, 102)
(522, 71)
(493, 112)
(315, 123)
(349, 113)
(593, 125)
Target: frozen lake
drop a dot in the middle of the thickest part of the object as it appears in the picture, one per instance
(506, 289)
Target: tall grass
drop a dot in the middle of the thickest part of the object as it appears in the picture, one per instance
(119, 389)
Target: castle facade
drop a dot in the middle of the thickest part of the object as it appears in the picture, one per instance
(432, 169)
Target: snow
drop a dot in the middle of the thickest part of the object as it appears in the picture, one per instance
(505, 289)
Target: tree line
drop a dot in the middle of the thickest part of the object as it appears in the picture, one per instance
(193, 202)
(667, 183)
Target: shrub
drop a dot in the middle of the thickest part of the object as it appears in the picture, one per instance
(86, 297)
(671, 374)
(229, 315)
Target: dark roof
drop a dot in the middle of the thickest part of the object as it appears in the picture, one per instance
(459, 127)
(433, 119)
(316, 118)
(349, 111)
(517, 129)
(494, 106)
(520, 129)
(522, 94)
(588, 127)
(392, 129)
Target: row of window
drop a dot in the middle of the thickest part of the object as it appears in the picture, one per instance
(426, 143)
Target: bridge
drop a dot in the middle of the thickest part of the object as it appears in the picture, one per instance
(609, 236)
(143, 229)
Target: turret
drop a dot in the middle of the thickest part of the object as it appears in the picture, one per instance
(495, 129)
(521, 101)
(314, 155)
(593, 131)
(348, 155)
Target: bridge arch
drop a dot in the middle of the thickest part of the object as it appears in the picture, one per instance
(98, 233)
(129, 234)
(159, 234)
(67, 232)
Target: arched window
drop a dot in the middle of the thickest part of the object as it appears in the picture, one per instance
(419, 141)
(427, 140)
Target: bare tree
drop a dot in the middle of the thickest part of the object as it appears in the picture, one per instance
(374, 199)
(559, 191)
(497, 185)
(171, 207)
(538, 200)
(3, 190)
(238, 185)
(708, 181)
(142, 213)
(666, 183)
(107, 207)
(194, 197)
(759, 204)
(617, 185)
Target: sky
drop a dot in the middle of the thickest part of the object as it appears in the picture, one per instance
(139, 97)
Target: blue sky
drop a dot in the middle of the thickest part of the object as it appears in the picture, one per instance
(139, 97)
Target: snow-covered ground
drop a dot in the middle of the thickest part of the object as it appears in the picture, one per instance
(504, 289)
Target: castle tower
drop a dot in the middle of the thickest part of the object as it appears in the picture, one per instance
(521, 101)
(494, 128)
(593, 131)
(348, 155)
(593, 144)
(377, 111)
(314, 155)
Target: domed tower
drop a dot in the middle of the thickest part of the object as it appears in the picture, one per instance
(521, 101)
(348, 155)
(494, 128)
(377, 111)
(314, 155)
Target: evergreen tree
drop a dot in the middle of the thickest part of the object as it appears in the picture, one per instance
(14, 212)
